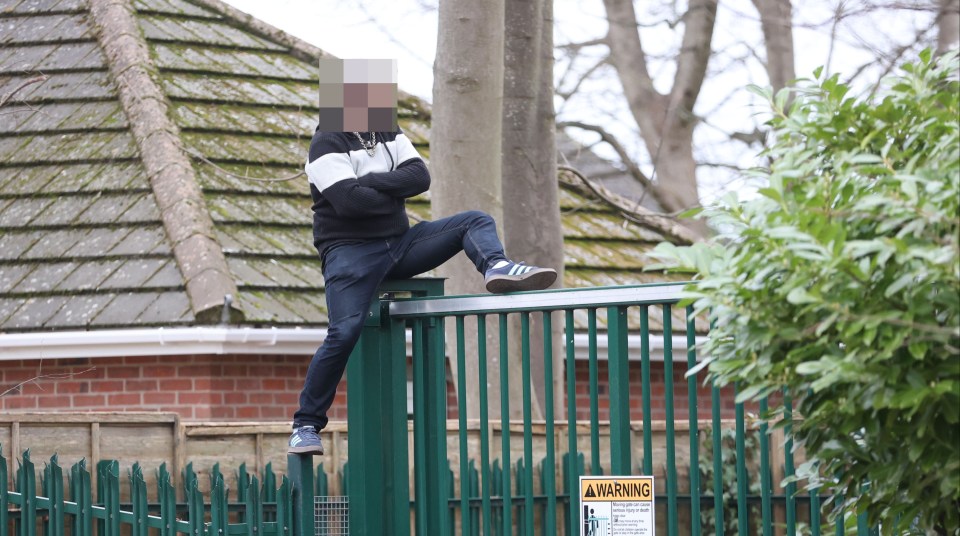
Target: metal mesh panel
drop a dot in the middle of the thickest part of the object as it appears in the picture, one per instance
(332, 515)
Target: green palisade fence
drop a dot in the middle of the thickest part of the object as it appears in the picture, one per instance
(719, 482)
(56, 509)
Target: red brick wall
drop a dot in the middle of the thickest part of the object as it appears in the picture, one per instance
(255, 387)
(198, 387)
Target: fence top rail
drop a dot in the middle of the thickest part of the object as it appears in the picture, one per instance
(544, 300)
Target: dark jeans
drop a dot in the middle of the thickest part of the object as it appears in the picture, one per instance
(352, 272)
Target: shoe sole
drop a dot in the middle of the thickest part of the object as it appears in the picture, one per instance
(314, 450)
(538, 279)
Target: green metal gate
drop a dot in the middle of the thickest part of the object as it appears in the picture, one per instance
(380, 500)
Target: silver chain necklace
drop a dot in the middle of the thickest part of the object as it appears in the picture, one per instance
(369, 146)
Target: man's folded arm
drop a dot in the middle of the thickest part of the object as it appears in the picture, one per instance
(351, 200)
(409, 179)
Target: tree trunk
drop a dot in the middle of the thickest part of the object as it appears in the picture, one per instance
(465, 156)
(948, 22)
(666, 121)
(776, 21)
(531, 209)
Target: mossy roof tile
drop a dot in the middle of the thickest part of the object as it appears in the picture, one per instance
(123, 307)
(142, 240)
(14, 243)
(245, 119)
(73, 146)
(254, 210)
(134, 274)
(277, 272)
(238, 63)
(88, 275)
(45, 277)
(236, 178)
(77, 311)
(23, 211)
(72, 178)
(8, 306)
(35, 312)
(265, 240)
(266, 307)
(85, 86)
(74, 116)
(60, 211)
(48, 28)
(24, 7)
(168, 276)
(247, 148)
(175, 7)
(165, 28)
(169, 307)
(226, 89)
(11, 275)
(50, 57)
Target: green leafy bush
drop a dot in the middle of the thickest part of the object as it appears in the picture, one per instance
(841, 284)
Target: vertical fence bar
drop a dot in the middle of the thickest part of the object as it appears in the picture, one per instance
(549, 472)
(111, 503)
(254, 509)
(671, 435)
(5, 499)
(766, 510)
(138, 498)
(27, 486)
(462, 416)
(693, 412)
(53, 489)
(164, 493)
(594, 393)
(505, 422)
(717, 442)
(437, 425)
(815, 511)
(484, 423)
(527, 425)
(645, 386)
(81, 494)
(573, 478)
(285, 508)
(789, 470)
(742, 521)
(618, 368)
(219, 519)
(419, 428)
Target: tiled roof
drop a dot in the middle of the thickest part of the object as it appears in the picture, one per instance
(121, 202)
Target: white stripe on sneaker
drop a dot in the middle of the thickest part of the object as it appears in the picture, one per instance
(515, 269)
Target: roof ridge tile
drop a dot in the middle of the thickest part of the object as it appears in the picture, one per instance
(179, 198)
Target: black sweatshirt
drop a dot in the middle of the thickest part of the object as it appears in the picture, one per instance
(357, 196)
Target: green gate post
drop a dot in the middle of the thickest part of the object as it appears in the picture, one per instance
(378, 481)
(300, 469)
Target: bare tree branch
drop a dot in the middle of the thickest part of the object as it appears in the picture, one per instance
(7, 97)
(615, 144)
(62, 376)
(583, 77)
(693, 58)
(662, 223)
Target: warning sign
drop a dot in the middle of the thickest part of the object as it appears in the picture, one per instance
(616, 506)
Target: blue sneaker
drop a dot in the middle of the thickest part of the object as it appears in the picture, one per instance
(305, 440)
(508, 276)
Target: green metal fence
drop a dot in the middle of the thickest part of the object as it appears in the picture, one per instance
(57, 509)
(494, 501)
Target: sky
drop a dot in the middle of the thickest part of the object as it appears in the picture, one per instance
(406, 30)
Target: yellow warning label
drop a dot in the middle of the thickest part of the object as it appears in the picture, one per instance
(630, 489)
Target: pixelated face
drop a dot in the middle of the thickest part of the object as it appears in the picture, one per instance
(358, 95)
